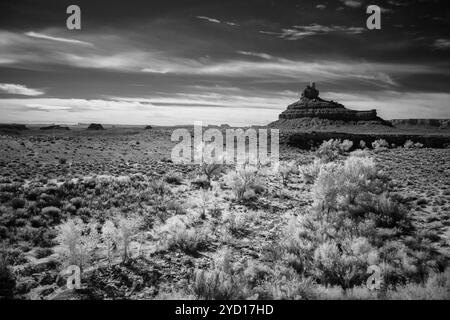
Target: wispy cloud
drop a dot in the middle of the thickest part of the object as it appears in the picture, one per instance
(442, 44)
(209, 19)
(58, 39)
(299, 32)
(321, 6)
(19, 89)
(256, 54)
(213, 20)
(352, 3)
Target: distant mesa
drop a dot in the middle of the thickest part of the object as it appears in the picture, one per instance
(435, 123)
(95, 126)
(311, 106)
(54, 127)
(12, 128)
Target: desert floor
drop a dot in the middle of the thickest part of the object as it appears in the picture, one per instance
(101, 175)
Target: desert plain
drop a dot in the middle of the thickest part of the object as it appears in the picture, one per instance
(141, 227)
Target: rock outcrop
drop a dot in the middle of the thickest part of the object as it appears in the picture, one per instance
(55, 127)
(95, 126)
(311, 105)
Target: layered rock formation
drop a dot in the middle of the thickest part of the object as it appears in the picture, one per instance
(311, 105)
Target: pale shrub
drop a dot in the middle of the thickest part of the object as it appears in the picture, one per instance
(242, 179)
(339, 184)
(380, 144)
(310, 171)
(437, 287)
(109, 237)
(410, 144)
(360, 153)
(331, 149)
(344, 263)
(212, 170)
(127, 229)
(176, 233)
(77, 242)
(285, 169)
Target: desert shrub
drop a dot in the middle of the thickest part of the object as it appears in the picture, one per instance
(176, 233)
(43, 252)
(339, 184)
(52, 213)
(360, 153)
(380, 144)
(388, 213)
(127, 229)
(285, 170)
(311, 170)
(219, 282)
(410, 144)
(7, 279)
(159, 188)
(211, 170)
(235, 223)
(249, 279)
(77, 202)
(242, 179)
(18, 203)
(176, 206)
(37, 222)
(77, 242)
(205, 200)
(109, 238)
(174, 178)
(216, 285)
(362, 144)
(436, 287)
(331, 149)
(354, 223)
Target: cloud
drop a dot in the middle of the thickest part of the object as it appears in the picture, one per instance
(352, 3)
(442, 44)
(241, 108)
(208, 19)
(58, 39)
(213, 20)
(321, 6)
(134, 111)
(19, 89)
(299, 32)
(255, 54)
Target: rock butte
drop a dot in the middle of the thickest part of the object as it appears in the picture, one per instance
(311, 105)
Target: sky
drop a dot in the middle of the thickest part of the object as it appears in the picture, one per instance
(236, 62)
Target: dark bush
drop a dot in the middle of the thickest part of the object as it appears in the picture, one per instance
(18, 203)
